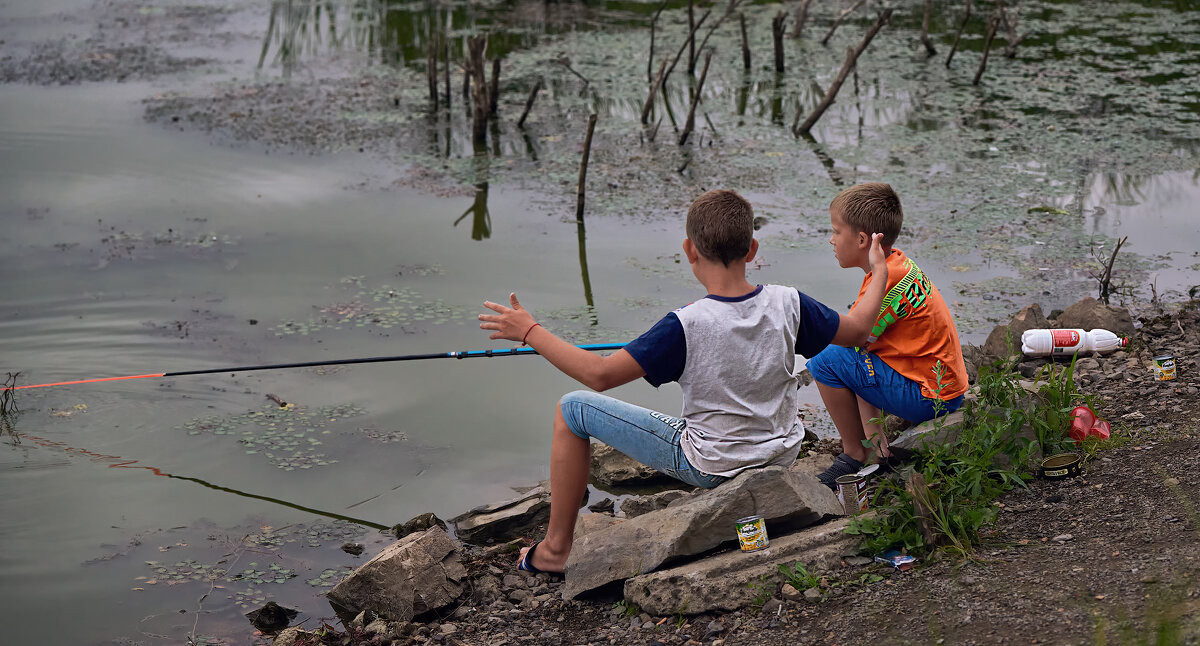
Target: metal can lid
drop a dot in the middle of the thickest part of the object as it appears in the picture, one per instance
(748, 519)
(853, 477)
(868, 470)
(1164, 357)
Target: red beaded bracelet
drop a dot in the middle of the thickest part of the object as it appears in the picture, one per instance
(528, 331)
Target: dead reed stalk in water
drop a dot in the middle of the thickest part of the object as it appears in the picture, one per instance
(987, 47)
(494, 92)
(650, 58)
(690, 38)
(529, 102)
(745, 43)
(658, 81)
(690, 124)
(477, 47)
(801, 17)
(583, 164)
(729, 11)
(929, 48)
(777, 36)
(431, 72)
(446, 50)
(1012, 39)
(1104, 278)
(8, 401)
(958, 36)
(838, 21)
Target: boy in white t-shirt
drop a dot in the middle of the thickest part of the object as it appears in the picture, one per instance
(733, 353)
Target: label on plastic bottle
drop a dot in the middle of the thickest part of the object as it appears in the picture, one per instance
(1065, 338)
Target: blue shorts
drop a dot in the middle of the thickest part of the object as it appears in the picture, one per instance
(647, 436)
(876, 383)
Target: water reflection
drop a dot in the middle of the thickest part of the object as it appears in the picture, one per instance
(481, 220)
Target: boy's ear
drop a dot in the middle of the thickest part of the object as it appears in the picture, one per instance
(689, 250)
(863, 238)
(753, 250)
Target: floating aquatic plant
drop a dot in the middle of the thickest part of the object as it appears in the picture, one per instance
(288, 437)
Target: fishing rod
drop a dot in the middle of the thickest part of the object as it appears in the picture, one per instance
(462, 354)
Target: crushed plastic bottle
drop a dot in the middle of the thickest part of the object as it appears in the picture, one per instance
(1068, 341)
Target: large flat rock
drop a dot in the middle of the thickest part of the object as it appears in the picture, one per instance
(724, 582)
(415, 575)
(503, 521)
(787, 500)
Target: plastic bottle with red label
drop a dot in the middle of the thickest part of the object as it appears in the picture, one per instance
(1068, 341)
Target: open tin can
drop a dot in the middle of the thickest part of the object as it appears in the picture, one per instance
(1061, 465)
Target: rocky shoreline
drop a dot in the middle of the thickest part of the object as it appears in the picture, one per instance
(707, 592)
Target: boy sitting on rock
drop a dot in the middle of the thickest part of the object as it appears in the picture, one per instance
(732, 352)
(911, 364)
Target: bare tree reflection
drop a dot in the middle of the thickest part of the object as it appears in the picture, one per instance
(481, 222)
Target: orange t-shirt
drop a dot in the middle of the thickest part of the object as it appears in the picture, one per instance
(914, 332)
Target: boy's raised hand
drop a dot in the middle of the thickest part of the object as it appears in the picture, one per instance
(876, 255)
(511, 324)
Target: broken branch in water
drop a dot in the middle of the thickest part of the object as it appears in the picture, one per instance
(745, 43)
(1010, 29)
(777, 37)
(838, 21)
(650, 58)
(537, 87)
(929, 48)
(8, 402)
(958, 36)
(691, 35)
(733, 4)
(658, 81)
(691, 118)
(566, 62)
(801, 17)
(852, 55)
(583, 164)
(1104, 278)
(987, 47)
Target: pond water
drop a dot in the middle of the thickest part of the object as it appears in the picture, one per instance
(157, 510)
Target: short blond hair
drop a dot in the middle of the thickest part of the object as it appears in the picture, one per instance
(872, 207)
(720, 224)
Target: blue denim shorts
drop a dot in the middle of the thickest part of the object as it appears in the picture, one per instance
(876, 382)
(649, 437)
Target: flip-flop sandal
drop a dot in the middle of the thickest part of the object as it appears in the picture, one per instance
(526, 563)
(843, 465)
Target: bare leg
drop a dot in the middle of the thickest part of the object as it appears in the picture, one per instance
(873, 431)
(570, 464)
(843, 407)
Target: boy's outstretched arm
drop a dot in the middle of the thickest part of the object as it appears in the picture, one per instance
(592, 370)
(855, 328)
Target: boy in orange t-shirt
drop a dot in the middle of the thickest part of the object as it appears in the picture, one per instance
(912, 365)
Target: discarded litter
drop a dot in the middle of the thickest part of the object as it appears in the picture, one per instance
(894, 558)
(1084, 424)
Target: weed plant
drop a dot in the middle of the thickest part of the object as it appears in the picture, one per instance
(1002, 431)
(798, 576)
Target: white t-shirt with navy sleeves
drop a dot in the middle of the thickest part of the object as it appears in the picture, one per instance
(735, 360)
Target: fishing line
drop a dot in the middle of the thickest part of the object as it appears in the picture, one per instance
(118, 462)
